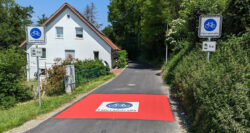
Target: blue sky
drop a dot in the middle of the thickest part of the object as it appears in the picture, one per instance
(48, 7)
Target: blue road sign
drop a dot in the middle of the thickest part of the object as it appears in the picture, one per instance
(35, 33)
(119, 105)
(210, 25)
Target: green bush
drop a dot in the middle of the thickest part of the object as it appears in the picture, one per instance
(85, 70)
(215, 95)
(168, 69)
(12, 72)
(122, 58)
(89, 64)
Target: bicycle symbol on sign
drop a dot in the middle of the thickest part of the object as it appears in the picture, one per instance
(210, 25)
(35, 33)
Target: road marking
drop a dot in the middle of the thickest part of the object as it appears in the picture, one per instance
(120, 106)
(131, 85)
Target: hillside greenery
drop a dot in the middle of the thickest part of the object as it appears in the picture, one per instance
(214, 94)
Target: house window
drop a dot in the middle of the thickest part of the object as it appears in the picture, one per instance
(96, 55)
(79, 32)
(43, 53)
(59, 32)
(69, 54)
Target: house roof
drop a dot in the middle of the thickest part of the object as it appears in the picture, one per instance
(66, 5)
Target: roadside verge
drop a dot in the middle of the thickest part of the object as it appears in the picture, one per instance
(29, 115)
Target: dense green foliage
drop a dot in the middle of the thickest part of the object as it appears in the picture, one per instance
(122, 58)
(12, 66)
(139, 26)
(89, 64)
(13, 19)
(215, 95)
(168, 69)
(84, 71)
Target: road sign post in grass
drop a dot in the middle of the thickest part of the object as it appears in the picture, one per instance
(36, 35)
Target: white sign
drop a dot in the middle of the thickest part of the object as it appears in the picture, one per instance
(210, 26)
(35, 34)
(209, 46)
(36, 52)
(118, 107)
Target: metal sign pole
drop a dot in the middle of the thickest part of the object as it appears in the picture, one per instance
(38, 78)
(167, 49)
(208, 53)
(166, 53)
(35, 35)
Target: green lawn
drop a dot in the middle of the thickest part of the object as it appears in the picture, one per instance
(23, 112)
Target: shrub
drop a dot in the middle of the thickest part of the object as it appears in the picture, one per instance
(55, 79)
(215, 95)
(122, 59)
(168, 69)
(85, 69)
(88, 64)
(12, 67)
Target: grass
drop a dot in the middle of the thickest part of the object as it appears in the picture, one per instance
(26, 111)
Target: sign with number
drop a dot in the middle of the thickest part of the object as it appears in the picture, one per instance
(209, 46)
(36, 52)
(35, 34)
(210, 26)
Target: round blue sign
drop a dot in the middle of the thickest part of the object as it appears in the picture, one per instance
(35, 33)
(119, 105)
(210, 25)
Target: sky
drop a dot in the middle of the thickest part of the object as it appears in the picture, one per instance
(48, 7)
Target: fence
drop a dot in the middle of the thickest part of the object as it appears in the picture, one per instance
(86, 75)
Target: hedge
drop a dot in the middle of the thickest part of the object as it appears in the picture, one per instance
(12, 73)
(215, 95)
(122, 59)
(168, 69)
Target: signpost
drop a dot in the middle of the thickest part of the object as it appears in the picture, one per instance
(210, 26)
(36, 35)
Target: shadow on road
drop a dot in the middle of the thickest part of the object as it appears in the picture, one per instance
(140, 65)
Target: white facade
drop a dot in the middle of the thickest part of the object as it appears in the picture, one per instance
(83, 48)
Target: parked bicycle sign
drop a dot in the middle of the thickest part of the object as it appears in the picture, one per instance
(35, 34)
(210, 26)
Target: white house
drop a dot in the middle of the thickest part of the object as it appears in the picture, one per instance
(69, 33)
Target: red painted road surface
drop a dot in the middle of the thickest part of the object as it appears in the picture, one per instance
(151, 107)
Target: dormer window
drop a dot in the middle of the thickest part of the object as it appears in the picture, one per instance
(79, 32)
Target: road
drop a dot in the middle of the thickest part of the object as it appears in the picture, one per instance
(137, 78)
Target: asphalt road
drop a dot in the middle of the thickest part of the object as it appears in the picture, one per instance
(137, 78)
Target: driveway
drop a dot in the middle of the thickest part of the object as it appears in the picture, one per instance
(140, 86)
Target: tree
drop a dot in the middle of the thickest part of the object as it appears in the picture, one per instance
(13, 19)
(154, 24)
(125, 16)
(42, 19)
(236, 16)
(90, 14)
(108, 31)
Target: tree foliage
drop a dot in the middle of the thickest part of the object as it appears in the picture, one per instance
(12, 67)
(42, 19)
(13, 19)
